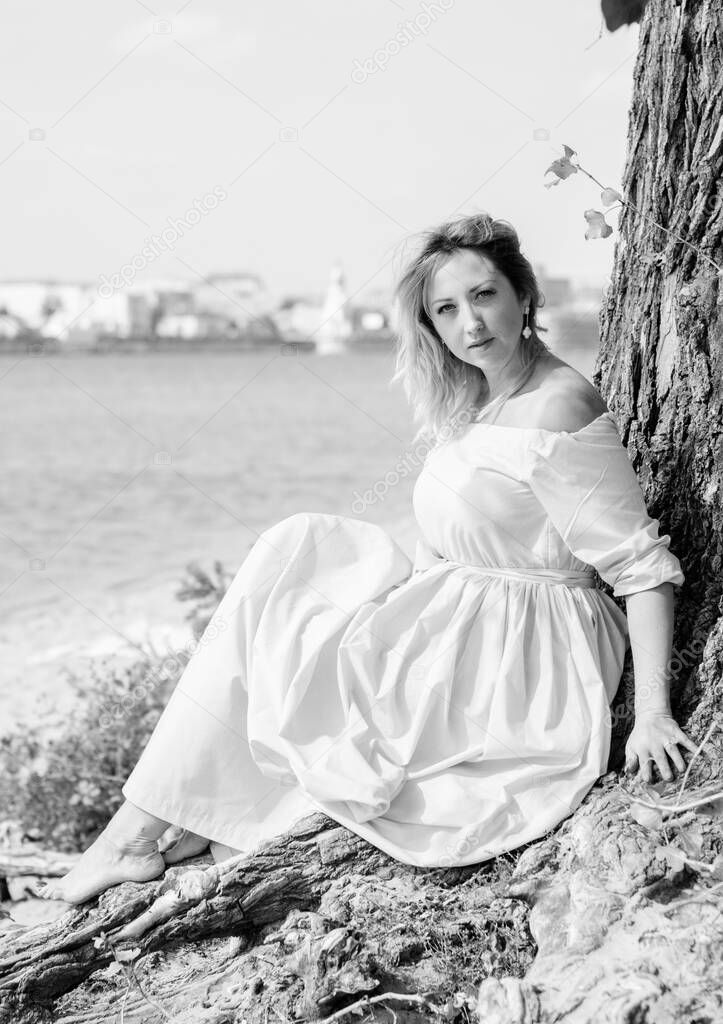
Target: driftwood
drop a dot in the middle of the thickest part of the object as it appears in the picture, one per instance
(23, 865)
(625, 920)
(285, 921)
(32, 860)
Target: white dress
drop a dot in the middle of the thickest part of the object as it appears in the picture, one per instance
(447, 710)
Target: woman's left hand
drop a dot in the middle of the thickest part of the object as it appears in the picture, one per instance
(654, 736)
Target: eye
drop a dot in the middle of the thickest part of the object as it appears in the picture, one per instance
(482, 291)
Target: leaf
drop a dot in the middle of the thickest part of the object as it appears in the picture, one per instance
(621, 12)
(562, 168)
(598, 226)
(692, 843)
(646, 816)
(609, 196)
(675, 858)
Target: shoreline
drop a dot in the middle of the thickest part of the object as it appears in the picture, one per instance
(371, 343)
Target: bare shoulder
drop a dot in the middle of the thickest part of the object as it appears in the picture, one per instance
(566, 400)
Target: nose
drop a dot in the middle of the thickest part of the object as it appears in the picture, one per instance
(473, 323)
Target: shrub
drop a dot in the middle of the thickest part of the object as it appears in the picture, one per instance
(205, 593)
(61, 778)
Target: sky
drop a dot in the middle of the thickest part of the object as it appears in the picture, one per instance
(301, 134)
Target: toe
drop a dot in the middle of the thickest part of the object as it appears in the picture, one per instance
(55, 892)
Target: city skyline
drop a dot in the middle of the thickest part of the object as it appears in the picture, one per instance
(222, 305)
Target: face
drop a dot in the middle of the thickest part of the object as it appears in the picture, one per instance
(471, 301)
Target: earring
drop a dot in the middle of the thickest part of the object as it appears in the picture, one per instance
(526, 331)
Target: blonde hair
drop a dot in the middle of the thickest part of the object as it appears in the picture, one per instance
(440, 387)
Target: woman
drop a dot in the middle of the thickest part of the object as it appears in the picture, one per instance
(456, 708)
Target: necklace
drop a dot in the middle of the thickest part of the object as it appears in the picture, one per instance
(482, 410)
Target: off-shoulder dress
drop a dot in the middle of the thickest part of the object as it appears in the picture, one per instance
(446, 709)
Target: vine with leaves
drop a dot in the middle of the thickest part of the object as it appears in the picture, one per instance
(597, 227)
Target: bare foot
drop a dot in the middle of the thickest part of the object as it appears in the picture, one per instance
(177, 844)
(105, 863)
(125, 851)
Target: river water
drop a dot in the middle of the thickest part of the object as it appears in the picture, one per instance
(119, 470)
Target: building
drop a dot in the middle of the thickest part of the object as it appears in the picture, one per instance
(297, 317)
(335, 328)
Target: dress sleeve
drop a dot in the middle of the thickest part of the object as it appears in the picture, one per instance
(588, 487)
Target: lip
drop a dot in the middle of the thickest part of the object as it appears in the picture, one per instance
(476, 344)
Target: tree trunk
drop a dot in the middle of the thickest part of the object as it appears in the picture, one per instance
(660, 360)
(621, 905)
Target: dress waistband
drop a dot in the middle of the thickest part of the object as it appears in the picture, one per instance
(426, 559)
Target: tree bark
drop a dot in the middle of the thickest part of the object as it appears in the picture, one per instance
(660, 363)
